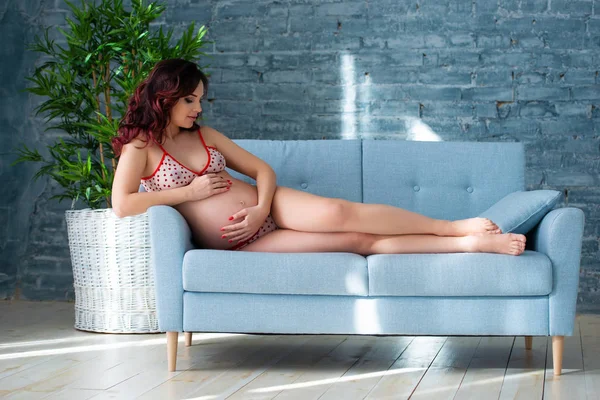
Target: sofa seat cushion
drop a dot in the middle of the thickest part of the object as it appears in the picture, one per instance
(339, 274)
(460, 274)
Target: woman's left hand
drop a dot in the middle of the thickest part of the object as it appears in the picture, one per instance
(252, 220)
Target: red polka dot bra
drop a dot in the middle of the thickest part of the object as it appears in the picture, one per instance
(170, 173)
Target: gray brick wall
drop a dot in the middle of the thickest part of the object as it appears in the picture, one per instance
(471, 70)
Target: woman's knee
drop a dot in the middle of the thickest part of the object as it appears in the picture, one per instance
(363, 243)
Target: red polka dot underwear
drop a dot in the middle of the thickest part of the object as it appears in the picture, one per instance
(267, 227)
(170, 173)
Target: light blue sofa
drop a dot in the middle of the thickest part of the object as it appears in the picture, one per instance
(533, 294)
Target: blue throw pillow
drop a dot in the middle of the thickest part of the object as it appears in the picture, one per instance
(518, 212)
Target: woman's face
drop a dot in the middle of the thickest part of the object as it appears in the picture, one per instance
(186, 110)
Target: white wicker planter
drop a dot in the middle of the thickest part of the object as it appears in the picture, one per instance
(113, 280)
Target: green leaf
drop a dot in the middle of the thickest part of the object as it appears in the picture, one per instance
(25, 154)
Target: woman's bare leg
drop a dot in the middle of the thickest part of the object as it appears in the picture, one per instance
(508, 243)
(289, 241)
(302, 211)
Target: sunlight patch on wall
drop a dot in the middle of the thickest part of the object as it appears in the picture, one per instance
(419, 131)
(349, 100)
(365, 98)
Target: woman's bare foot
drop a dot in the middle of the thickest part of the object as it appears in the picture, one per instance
(507, 243)
(473, 226)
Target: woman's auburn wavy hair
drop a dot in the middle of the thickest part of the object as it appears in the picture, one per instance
(149, 107)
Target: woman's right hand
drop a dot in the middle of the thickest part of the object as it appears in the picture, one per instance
(207, 185)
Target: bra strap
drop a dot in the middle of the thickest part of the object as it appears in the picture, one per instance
(202, 139)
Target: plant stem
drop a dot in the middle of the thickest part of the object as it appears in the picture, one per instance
(124, 63)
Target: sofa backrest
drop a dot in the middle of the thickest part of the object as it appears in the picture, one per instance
(330, 168)
(446, 180)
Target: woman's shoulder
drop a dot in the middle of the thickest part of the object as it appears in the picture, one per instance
(138, 145)
(211, 136)
(141, 142)
(206, 130)
(208, 134)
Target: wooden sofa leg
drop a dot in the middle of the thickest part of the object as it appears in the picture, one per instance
(558, 344)
(188, 339)
(528, 342)
(172, 338)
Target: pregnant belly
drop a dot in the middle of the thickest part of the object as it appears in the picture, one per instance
(207, 217)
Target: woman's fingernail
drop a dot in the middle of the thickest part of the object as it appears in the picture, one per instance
(230, 218)
(223, 237)
(230, 241)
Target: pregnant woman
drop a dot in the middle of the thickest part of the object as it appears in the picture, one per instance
(183, 165)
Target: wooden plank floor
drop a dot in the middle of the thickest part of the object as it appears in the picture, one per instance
(43, 357)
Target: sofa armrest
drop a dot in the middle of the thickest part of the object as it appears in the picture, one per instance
(559, 235)
(170, 239)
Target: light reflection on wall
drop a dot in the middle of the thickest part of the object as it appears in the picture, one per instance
(349, 101)
(419, 131)
(365, 98)
(415, 128)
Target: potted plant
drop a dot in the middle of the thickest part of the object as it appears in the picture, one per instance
(87, 84)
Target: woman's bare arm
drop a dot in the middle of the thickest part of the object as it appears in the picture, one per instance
(246, 163)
